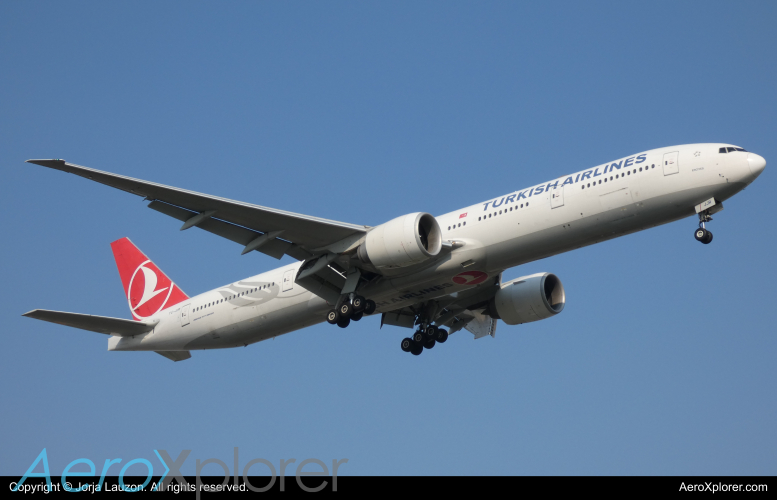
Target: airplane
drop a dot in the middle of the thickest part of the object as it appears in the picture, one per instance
(433, 275)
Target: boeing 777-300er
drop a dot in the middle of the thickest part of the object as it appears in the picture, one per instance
(434, 275)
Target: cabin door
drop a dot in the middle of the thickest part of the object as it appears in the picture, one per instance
(288, 280)
(557, 197)
(671, 165)
(185, 315)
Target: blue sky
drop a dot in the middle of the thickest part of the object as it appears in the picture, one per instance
(661, 363)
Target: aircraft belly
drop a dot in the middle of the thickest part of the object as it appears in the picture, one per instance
(254, 324)
(601, 226)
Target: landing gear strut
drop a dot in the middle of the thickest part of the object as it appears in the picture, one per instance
(702, 234)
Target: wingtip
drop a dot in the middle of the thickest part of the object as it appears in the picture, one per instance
(46, 163)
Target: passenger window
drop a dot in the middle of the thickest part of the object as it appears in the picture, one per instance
(640, 169)
(527, 203)
(521, 205)
(465, 223)
(449, 228)
(605, 179)
(478, 218)
(459, 224)
(654, 166)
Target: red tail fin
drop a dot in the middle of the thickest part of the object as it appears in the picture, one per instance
(148, 289)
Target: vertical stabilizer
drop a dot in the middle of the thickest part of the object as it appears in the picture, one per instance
(148, 289)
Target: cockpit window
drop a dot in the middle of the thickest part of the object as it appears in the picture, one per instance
(731, 150)
(722, 150)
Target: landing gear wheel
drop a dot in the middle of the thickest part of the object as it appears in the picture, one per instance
(358, 303)
(345, 310)
(418, 338)
(369, 307)
(407, 344)
(332, 317)
(442, 336)
(429, 344)
(431, 332)
(343, 322)
(703, 235)
(357, 316)
(416, 349)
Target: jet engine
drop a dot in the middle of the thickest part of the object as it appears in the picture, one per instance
(402, 242)
(527, 299)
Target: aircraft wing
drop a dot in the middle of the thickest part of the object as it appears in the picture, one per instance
(267, 230)
(100, 324)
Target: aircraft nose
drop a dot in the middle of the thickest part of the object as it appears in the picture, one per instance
(757, 163)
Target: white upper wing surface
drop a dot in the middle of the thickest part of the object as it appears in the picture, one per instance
(287, 233)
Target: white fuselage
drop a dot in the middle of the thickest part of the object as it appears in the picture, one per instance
(571, 211)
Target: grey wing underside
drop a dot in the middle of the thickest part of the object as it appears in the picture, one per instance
(267, 230)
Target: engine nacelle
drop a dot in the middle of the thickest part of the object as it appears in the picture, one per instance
(402, 242)
(527, 299)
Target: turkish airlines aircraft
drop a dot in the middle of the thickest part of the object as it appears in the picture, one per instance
(436, 275)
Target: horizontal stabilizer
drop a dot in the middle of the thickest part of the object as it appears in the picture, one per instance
(99, 324)
(175, 355)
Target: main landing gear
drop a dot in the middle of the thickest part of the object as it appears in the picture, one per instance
(350, 310)
(702, 234)
(424, 338)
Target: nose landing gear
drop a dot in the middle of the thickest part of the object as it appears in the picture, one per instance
(702, 234)
(705, 211)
